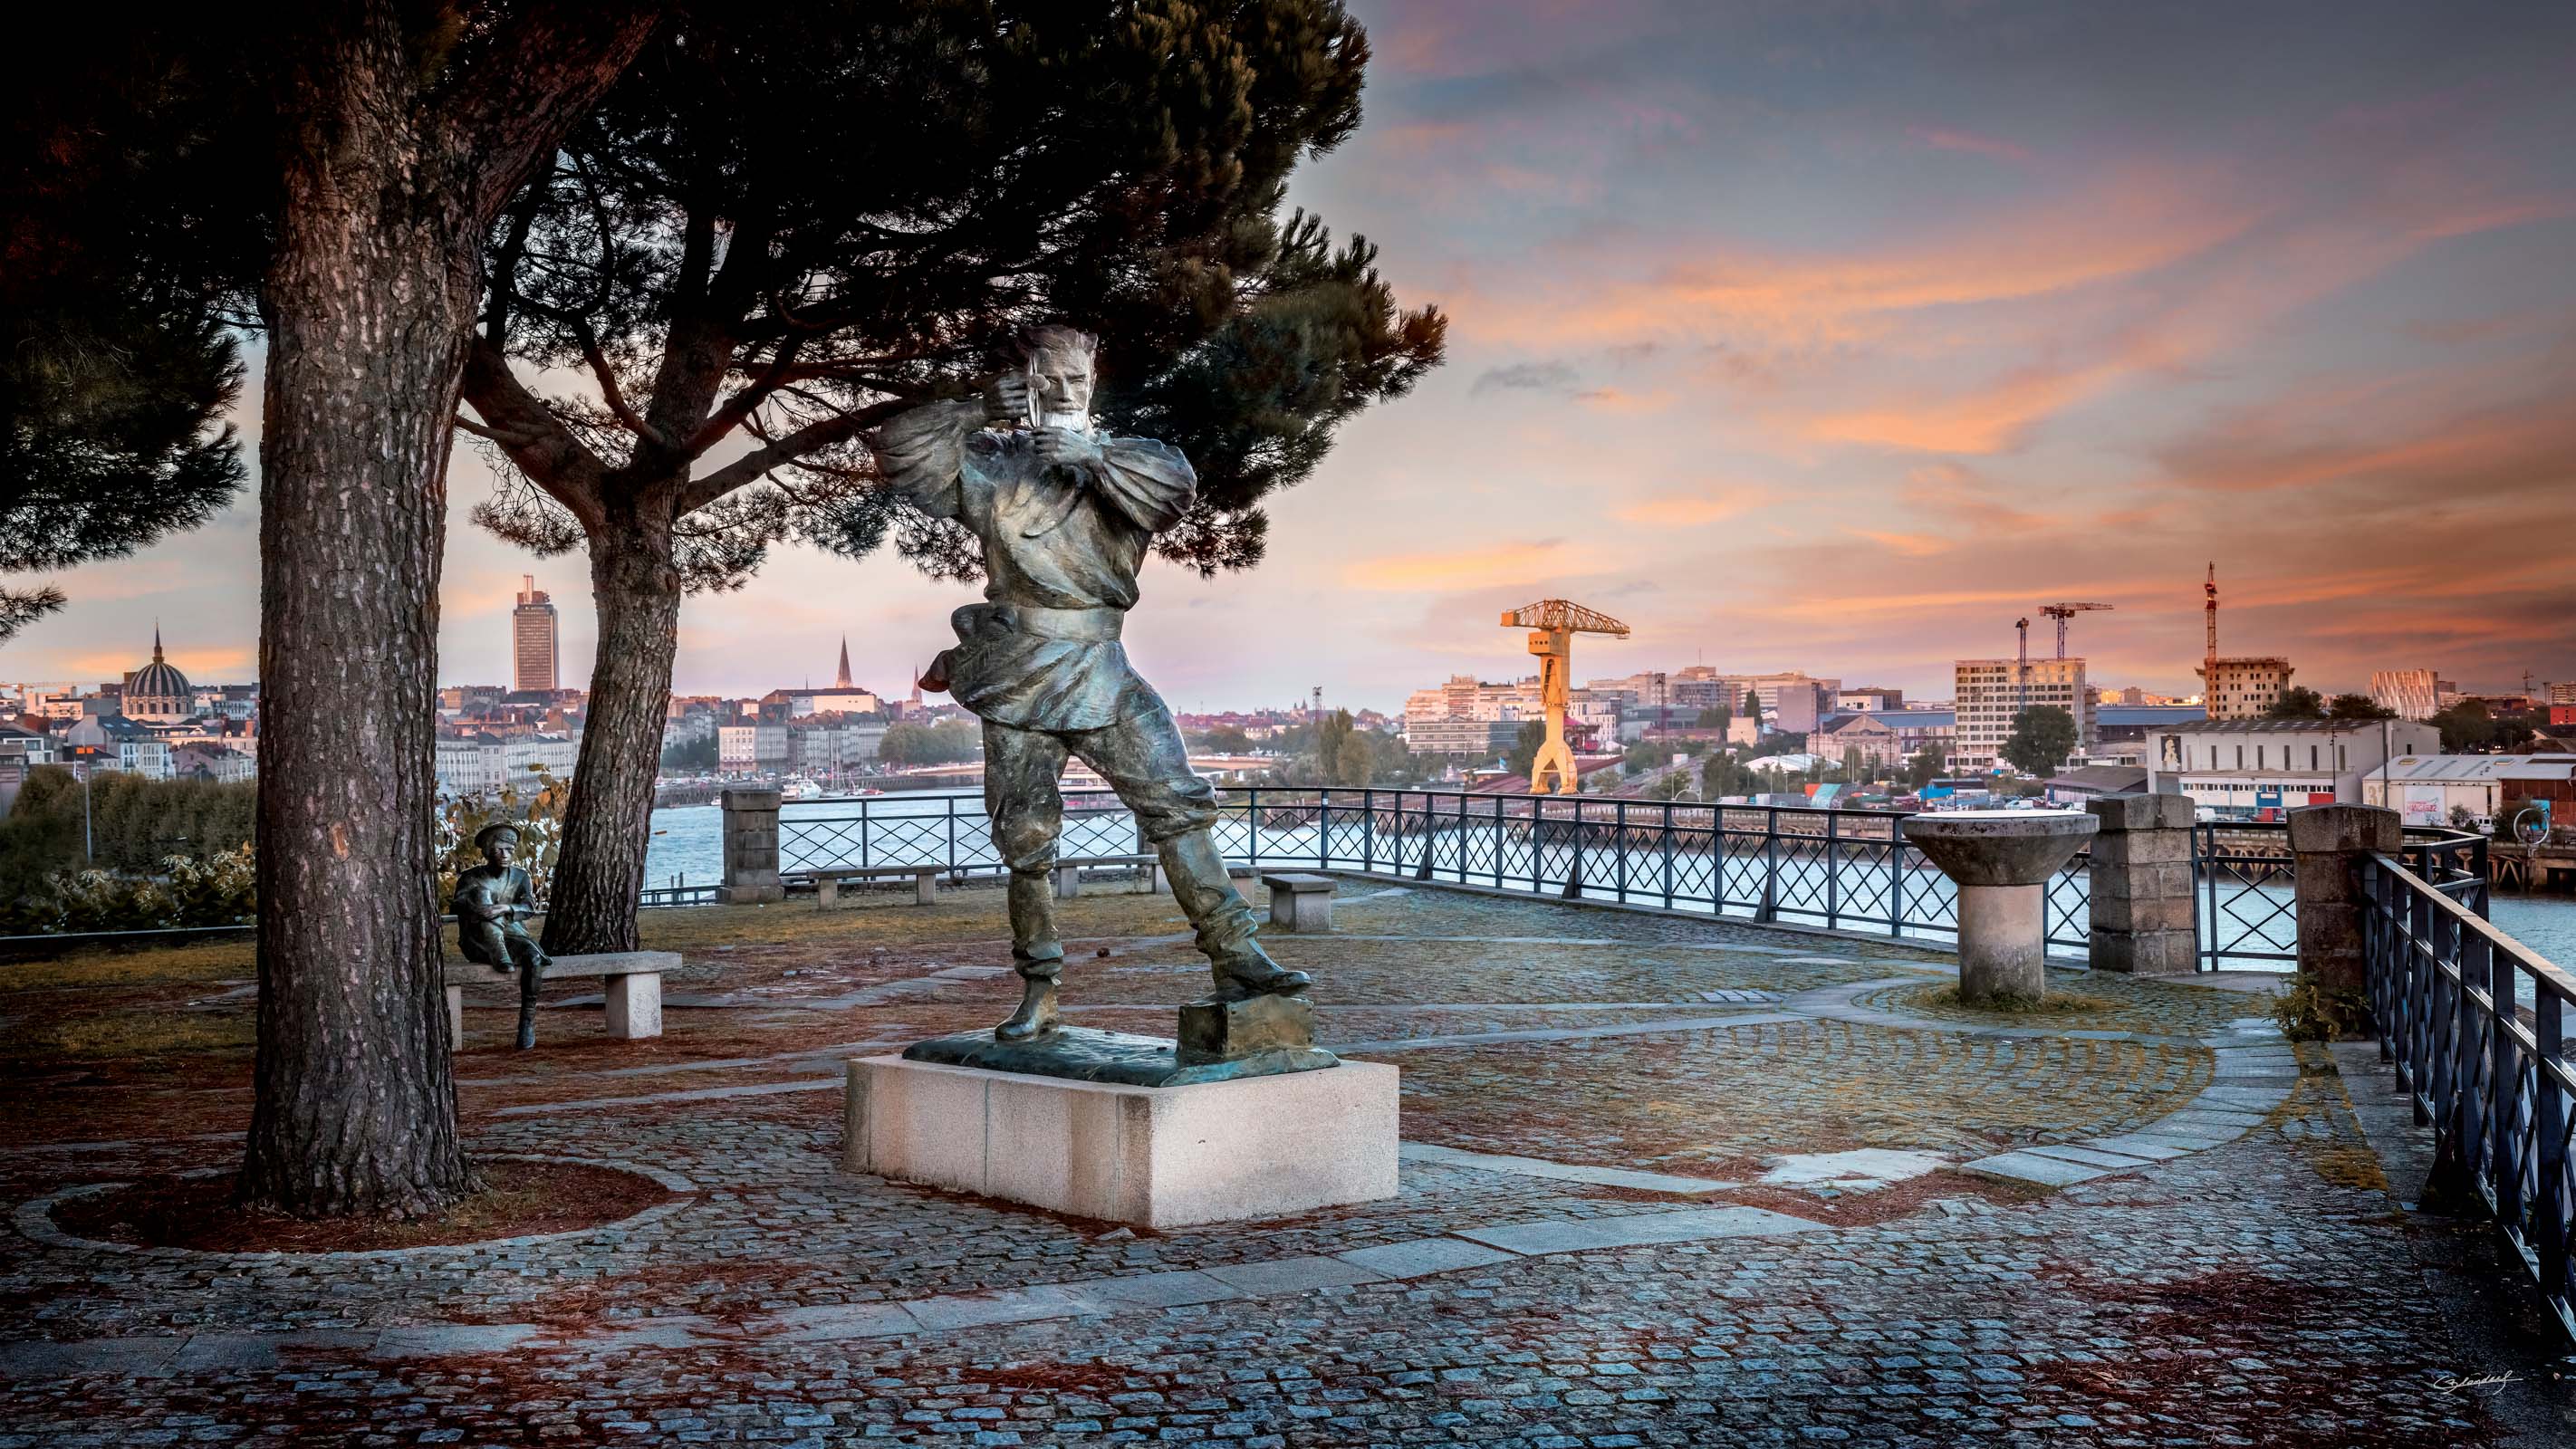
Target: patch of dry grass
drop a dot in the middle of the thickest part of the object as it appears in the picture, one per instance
(235, 958)
(134, 1035)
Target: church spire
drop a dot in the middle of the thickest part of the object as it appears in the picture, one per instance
(842, 681)
(156, 641)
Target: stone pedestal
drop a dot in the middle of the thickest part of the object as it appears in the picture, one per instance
(2327, 843)
(2144, 912)
(751, 846)
(2002, 861)
(1162, 1157)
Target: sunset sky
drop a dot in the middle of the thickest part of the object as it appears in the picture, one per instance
(1834, 337)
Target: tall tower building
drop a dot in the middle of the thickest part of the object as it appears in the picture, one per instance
(534, 660)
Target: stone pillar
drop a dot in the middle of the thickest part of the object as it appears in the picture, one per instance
(2327, 843)
(750, 846)
(2002, 861)
(2144, 913)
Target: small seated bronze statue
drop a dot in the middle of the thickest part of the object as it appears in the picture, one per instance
(492, 903)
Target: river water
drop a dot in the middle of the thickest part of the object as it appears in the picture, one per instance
(687, 849)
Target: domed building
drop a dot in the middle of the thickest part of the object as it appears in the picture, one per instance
(158, 693)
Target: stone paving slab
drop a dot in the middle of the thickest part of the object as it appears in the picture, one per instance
(2031, 1167)
(1425, 1255)
(1632, 1232)
(1562, 1171)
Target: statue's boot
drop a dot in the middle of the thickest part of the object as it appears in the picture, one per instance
(1036, 1016)
(1224, 921)
(1036, 954)
(531, 971)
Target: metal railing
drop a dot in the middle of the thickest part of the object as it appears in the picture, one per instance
(2248, 890)
(1843, 869)
(1850, 870)
(2475, 1023)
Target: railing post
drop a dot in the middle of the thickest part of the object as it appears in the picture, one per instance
(1323, 829)
(1666, 845)
(1619, 847)
(1574, 856)
(2327, 844)
(2204, 868)
(2140, 911)
(1770, 907)
(751, 846)
(1368, 831)
(2504, 1076)
(1833, 870)
(1252, 827)
(1897, 845)
(2549, 1123)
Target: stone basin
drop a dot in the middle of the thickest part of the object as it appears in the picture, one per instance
(2000, 847)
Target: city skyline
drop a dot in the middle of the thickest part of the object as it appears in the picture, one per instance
(1810, 343)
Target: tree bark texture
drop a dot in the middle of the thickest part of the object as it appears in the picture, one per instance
(635, 586)
(393, 168)
(369, 303)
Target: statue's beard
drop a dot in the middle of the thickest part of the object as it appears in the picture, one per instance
(1078, 421)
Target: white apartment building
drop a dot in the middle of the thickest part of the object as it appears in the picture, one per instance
(2243, 688)
(1992, 691)
(479, 764)
(2413, 693)
(2254, 769)
(743, 749)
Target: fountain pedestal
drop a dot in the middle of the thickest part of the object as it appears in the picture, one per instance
(2002, 861)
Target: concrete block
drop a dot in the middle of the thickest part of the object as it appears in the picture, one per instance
(1218, 1031)
(1157, 1156)
(2127, 813)
(925, 888)
(635, 1006)
(455, 1017)
(2336, 829)
(1068, 882)
(827, 892)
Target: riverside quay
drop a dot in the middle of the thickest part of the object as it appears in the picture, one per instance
(1697, 1170)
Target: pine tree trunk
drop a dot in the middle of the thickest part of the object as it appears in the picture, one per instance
(368, 305)
(635, 587)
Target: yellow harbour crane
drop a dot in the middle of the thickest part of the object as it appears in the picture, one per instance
(1553, 623)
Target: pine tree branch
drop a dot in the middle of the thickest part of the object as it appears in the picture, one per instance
(535, 440)
(812, 438)
(544, 66)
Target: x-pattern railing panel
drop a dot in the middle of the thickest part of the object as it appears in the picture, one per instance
(2474, 1024)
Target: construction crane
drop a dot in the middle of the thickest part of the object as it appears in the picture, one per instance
(2063, 612)
(2021, 666)
(1553, 623)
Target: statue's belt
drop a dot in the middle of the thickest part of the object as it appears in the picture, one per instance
(1078, 626)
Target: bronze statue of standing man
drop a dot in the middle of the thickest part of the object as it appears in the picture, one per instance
(1066, 517)
(492, 904)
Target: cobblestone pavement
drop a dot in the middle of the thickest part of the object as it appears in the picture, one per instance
(2257, 1286)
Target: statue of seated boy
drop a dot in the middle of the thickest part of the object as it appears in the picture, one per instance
(492, 903)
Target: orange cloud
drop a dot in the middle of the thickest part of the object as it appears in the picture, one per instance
(1686, 510)
(1912, 545)
(2126, 224)
(1466, 569)
(1985, 422)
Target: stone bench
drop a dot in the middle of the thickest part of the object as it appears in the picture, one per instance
(1300, 904)
(1068, 873)
(633, 981)
(827, 881)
